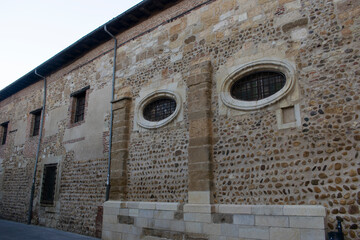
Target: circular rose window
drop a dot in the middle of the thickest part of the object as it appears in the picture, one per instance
(158, 109)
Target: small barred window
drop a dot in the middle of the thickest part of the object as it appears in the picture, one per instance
(80, 107)
(257, 86)
(159, 109)
(36, 124)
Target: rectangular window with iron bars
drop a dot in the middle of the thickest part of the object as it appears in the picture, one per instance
(48, 184)
(36, 121)
(79, 105)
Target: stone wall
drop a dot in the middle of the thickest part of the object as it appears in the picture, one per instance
(150, 220)
(80, 150)
(252, 156)
(210, 153)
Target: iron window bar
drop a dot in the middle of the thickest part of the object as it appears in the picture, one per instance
(159, 109)
(258, 86)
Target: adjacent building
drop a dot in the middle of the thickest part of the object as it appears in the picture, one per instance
(228, 119)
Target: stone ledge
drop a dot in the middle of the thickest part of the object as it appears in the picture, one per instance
(305, 210)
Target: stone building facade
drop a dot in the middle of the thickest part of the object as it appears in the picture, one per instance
(217, 166)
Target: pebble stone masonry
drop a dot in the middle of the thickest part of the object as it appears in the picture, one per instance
(283, 171)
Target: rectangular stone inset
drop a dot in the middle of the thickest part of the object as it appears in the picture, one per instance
(222, 218)
(125, 219)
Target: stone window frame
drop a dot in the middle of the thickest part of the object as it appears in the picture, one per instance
(73, 106)
(35, 113)
(141, 121)
(55, 206)
(2, 128)
(276, 65)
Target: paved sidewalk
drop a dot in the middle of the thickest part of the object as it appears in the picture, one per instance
(18, 231)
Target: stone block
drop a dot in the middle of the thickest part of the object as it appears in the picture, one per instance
(244, 219)
(197, 217)
(134, 212)
(222, 218)
(164, 215)
(167, 206)
(229, 230)
(303, 210)
(111, 211)
(199, 208)
(297, 23)
(254, 233)
(284, 234)
(307, 222)
(193, 227)
(199, 128)
(146, 213)
(234, 209)
(267, 210)
(199, 197)
(272, 221)
(199, 186)
(162, 224)
(147, 205)
(178, 226)
(125, 219)
(199, 154)
(141, 222)
(112, 204)
(312, 234)
(124, 212)
(110, 219)
(212, 229)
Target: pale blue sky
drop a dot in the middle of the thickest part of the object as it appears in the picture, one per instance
(32, 31)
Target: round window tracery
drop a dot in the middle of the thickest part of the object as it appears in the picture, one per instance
(158, 109)
(258, 84)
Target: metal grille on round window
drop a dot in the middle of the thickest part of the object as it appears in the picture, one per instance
(159, 109)
(258, 86)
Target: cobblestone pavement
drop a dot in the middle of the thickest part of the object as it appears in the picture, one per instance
(18, 231)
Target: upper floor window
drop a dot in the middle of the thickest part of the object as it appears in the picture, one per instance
(4, 128)
(159, 109)
(258, 84)
(36, 122)
(79, 105)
